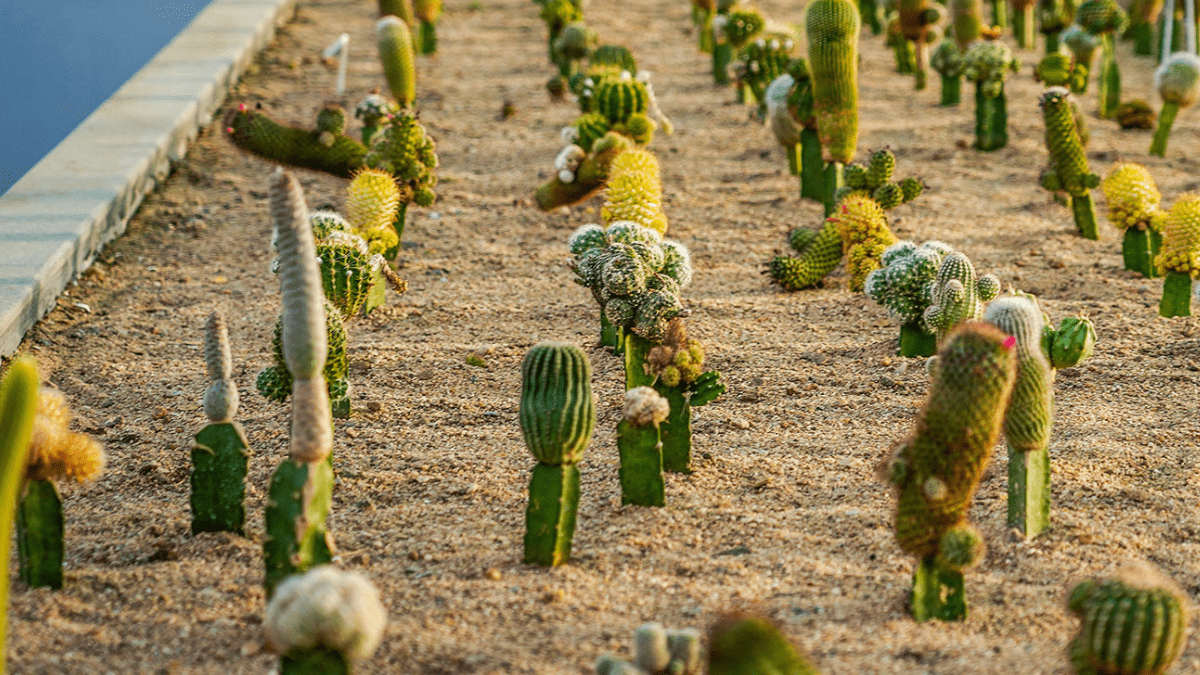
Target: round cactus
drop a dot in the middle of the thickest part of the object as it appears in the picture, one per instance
(1178, 82)
(557, 412)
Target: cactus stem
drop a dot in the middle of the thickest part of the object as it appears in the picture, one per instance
(811, 165)
(870, 15)
(937, 593)
(914, 341)
(427, 38)
(991, 119)
(40, 535)
(1000, 14)
(1142, 35)
(1052, 45)
(219, 461)
(921, 71)
(1029, 490)
(1166, 117)
(722, 54)
(1024, 24)
(608, 332)
(832, 181)
(550, 516)
(951, 90)
(1139, 248)
(1177, 295)
(1110, 79)
(636, 350)
(676, 430)
(706, 33)
(1085, 215)
(315, 661)
(641, 476)
(18, 405)
(793, 155)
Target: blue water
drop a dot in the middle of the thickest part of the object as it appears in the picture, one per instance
(60, 60)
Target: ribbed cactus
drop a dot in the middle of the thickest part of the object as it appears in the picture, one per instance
(1180, 256)
(221, 454)
(903, 284)
(1132, 624)
(301, 488)
(865, 236)
(1133, 200)
(372, 202)
(557, 418)
(403, 149)
(1178, 82)
(657, 650)
(988, 64)
(947, 61)
(1068, 170)
(936, 470)
(833, 27)
(966, 18)
(1024, 23)
(572, 46)
(817, 253)
(18, 406)
(634, 192)
(742, 644)
(1029, 416)
(615, 56)
(874, 180)
(1069, 344)
(640, 447)
(957, 295)
(275, 383)
(427, 13)
(253, 131)
(1105, 18)
(394, 41)
(399, 8)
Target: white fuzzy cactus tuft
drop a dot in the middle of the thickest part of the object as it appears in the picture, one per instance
(644, 406)
(326, 608)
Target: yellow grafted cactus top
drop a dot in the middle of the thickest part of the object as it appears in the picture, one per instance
(1132, 196)
(865, 235)
(1181, 237)
(372, 200)
(634, 191)
(54, 450)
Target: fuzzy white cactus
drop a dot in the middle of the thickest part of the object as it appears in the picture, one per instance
(326, 608)
(644, 406)
(221, 396)
(567, 161)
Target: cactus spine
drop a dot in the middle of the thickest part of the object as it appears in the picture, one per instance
(557, 419)
(1133, 200)
(1068, 164)
(1180, 256)
(936, 470)
(403, 149)
(221, 454)
(18, 405)
(301, 488)
(640, 446)
(833, 27)
(1178, 82)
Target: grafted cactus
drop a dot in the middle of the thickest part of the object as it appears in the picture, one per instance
(865, 236)
(936, 470)
(1178, 82)
(427, 13)
(221, 454)
(988, 64)
(585, 176)
(677, 364)
(957, 295)
(557, 418)
(1133, 200)
(947, 61)
(1024, 23)
(615, 56)
(323, 621)
(1104, 18)
(640, 447)
(657, 651)
(400, 8)
(1060, 70)
(18, 406)
(874, 180)
(332, 153)
(634, 192)
(817, 253)
(1134, 623)
(966, 18)
(743, 644)
(1143, 15)
(902, 284)
(1053, 17)
(572, 45)
(404, 149)
(275, 383)
(1083, 46)
(372, 110)
(918, 21)
(833, 27)
(790, 114)
(395, 44)
(1180, 256)
(1068, 170)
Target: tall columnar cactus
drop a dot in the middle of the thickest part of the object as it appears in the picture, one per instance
(903, 284)
(865, 236)
(427, 13)
(947, 61)
(1134, 623)
(807, 162)
(817, 253)
(634, 191)
(1180, 256)
(323, 621)
(1068, 170)
(332, 153)
(957, 295)
(988, 64)
(966, 17)
(902, 47)
(221, 454)
(640, 446)
(678, 367)
(301, 489)
(1082, 45)
(657, 651)
(1029, 416)
(1178, 82)
(936, 470)
(1105, 18)
(557, 417)
(404, 149)
(18, 406)
(1133, 201)
(394, 41)
(833, 27)
(743, 644)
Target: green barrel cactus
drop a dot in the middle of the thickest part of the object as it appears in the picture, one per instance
(1068, 170)
(1104, 19)
(403, 148)
(427, 13)
(1179, 259)
(615, 56)
(557, 418)
(300, 493)
(957, 295)
(1133, 200)
(1178, 82)
(817, 253)
(988, 64)
(275, 383)
(335, 154)
(18, 406)
(1069, 344)
(833, 27)
(947, 61)
(744, 644)
(395, 44)
(936, 470)
(1133, 624)
(620, 97)
(640, 447)
(903, 284)
(221, 454)
(347, 273)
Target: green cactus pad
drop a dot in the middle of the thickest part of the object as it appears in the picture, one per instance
(298, 502)
(833, 27)
(557, 412)
(220, 459)
(550, 515)
(40, 535)
(331, 153)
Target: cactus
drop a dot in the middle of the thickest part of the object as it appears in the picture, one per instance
(783, 125)
(1134, 623)
(1024, 23)
(869, 12)
(865, 235)
(966, 19)
(1178, 82)
(1180, 256)
(427, 13)
(614, 56)
(1143, 15)
(323, 621)
(957, 295)
(743, 644)
(947, 61)
(1103, 18)
(1069, 344)
(874, 180)
(373, 110)
(634, 192)
(760, 63)
(640, 447)
(1068, 164)
(657, 651)
(571, 46)
(18, 407)
(1133, 200)
(1053, 17)
(833, 27)
(903, 48)
(1136, 114)
(902, 284)
(275, 383)
(398, 8)
(621, 97)
(372, 203)
(403, 149)
(221, 455)
(936, 470)
(301, 488)
(395, 43)
(918, 25)
(253, 131)
(1060, 70)
(678, 366)
(558, 14)
(740, 27)
(818, 252)
(587, 178)
(988, 64)
(800, 105)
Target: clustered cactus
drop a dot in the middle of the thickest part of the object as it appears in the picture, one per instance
(759, 63)
(903, 284)
(320, 150)
(818, 252)
(1179, 259)
(657, 651)
(1068, 171)
(676, 367)
(403, 149)
(874, 180)
(1133, 200)
(957, 295)
(865, 236)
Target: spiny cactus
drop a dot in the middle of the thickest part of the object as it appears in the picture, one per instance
(1104, 18)
(403, 148)
(1133, 200)
(677, 365)
(760, 62)
(1083, 46)
(865, 236)
(790, 114)
(323, 621)
(1053, 17)
(784, 126)
(18, 406)
(1134, 623)
(275, 383)
(253, 131)
(1180, 256)
(572, 46)
(1060, 70)
(1024, 23)
(957, 295)
(372, 202)
(395, 44)
(947, 61)
(221, 454)
(587, 175)
(936, 470)
(557, 418)
(919, 21)
(966, 18)
(1069, 344)
(817, 253)
(427, 13)
(615, 56)
(372, 110)
(988, 64)
(1068, 170)
(903, 284)
(640, 447)
(558, 14)
(1178, 82)
(634, 192)
(742, 25)
(657, 651)
(744, 644)
(833, 27)
(301, 488)
(874, 180)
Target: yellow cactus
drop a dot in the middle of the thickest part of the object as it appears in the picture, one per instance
(865, 235)
(1181, 238)
(373, 199)
(634, 191)
(1132, 196)
(54, 450)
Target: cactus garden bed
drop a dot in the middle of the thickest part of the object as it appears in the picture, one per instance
(784, 513)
